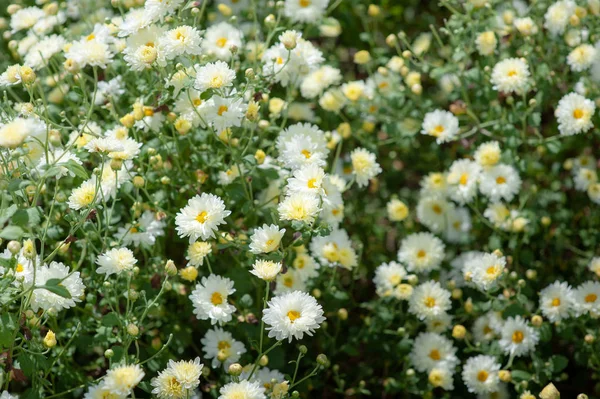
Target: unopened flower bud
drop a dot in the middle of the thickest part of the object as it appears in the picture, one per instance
(459, 332)
(235, 369)
(14, 247)
(50, 339)
(537, 320)
(343, 314)
(170, 268)
(322, 360)
(109, 353)
(190, 273)
(303, 349)
(264, 360)
(550, 392)
(132, 329)
(504, 375)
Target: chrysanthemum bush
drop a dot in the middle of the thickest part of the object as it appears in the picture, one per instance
(255, 199)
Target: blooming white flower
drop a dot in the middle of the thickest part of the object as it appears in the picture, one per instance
(421, 252)
(98, 391)
(305, 266)
(500, 182)
(215, 75)
(223, 112)
(526, 26)
(587, 299)
(219, 38)
(25, 18)
(462, 180)
(574, 114)
(302, 207)
(581, 57)
(364, 166)
(143, 232)
(266, 269)
(290, 281)
(307, 179)
(210, 299)
(305, 10)
(334, 249)
(186, 373)
(197, 251)
(557, 16)
(486, 43)
(266, 239)
(441, 377)
(45, 299)
(517, 337)
(179, 41)
(201, 217)
(484, 269)
(433, 212)
(584, 178)
(115, 261)
(556, 301)
(429, 300)
(440, 124)
(121, 380)
(431, 350)
(292, 315)
(40, 53)
(510, 75)
(488, 154)
(487, 327)
(318, 81)
(243, 389)
(387, 277)
(220, 346)
(480, 374)
(18, 130)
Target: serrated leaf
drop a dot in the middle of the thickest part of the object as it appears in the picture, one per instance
(12, 233)
(77, 169)
(53, 285)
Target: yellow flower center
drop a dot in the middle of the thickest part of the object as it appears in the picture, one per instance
(279, 60)
(293, 315)
(435, 355)
(437, 209)
(222, 109)
(180, 36)
(429, 302)
(312, 183)
(464, 178)
(436, 131)
(421, 254)
(288, 282)
(306, 154)
(304, 3)
(482, 376)
(512, 73)
(517, 337)
(223, 345)
(197, 102)
(90, 37)
(216, 82)
(216, 298)
(487, 330)
(221, 42)
(20, 268)
(500, 180)
(395, 279)
(556, 302)
(589, 298)
(578, 113)
(201, 217)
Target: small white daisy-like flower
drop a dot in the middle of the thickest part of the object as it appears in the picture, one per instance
(302, 207)
(421, 252)
(143, 232)
(581, 57)
(587, 299)
(134, 20)
(305, 10)
(484, 270)
(90, 50)
(165, 386)
(442, 125)
(434, 184)
(12, 76)
(433, 212)
(243, 389)
(201, 217)
(517, 337)
(84, 195)
(500, 182)
(305, 266)
(441, 378)
(210, 299)
(594, 265)
(266, 270)
(526, 26)
(17, 131)
(214, 76)
(462, 180)
(159, 9)
(290, 281)
(25, 18)
(334, 249)
(316, 82)
(115, 261)
(223, 113)
(219, 38)
(121, 380)
(429, 300)
(179, 41)
(584, 178)
(510, 75)
(458, 226)
(574, 114)
(266, 239)
(187, 373)
(197, 251)
(220, 346)
(556, 301)
(488, 154)
(290, 67)
(557, 16)
(480, 374)
(486, 43)
(397, 210)
(439, 324)
(98, 391)
(42, 298)
(307, 179)
(292, 315)
(40, 53)
(387, 277)
(431, 350)
(487, 327)
(364, 166)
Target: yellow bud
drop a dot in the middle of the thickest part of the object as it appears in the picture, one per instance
(504, 375)
(362, 57)
(224, 9)
(550, 392)
(50, 339)
(190, 273)
(260, 156)
(127, 120)
(27, 75)
(182, 125)
(459, 332)
(537, 320)
(374, 10)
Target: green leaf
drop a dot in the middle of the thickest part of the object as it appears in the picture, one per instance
(559, 362)
(519, 375)
(53, 285)
(513, 310)
(110, 320)
(21, 218)
(7, 328)
(77, 169)
(12, 233)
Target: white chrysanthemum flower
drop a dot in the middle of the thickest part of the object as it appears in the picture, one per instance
(12, 76)
(166, 386)
(488, 154)
(421, 252)
(574, 114)
(223, 113)
(210, 299)
(197, 251)
(487, 327)
(84, 195)
(289, 281)
(243, 389)
(587, 299)
(179, 41)
(484, 270)
(308, 179)
(333, 100)
(556, 301)
(486, 43)
(135, 20)
(305, 266)
(510, 75)
(318, 81)
(429, 300)
(58, 159)
(387, 277)
(480, 374)
(201, 217)
(98, 391)
(40, 53)
(215, 75)
(45, 299)
(397, 210)
(25, 18)
(593, 192)
(110, 89)
(500, 182)
(517, 337)
(220, 346)
(159, 9)
(219, 38)
(594, 265)
(302, 144)
(441, 378)
(290, 67)
(440, 124)
(439, 324)
(557, 16)
(24, 266)
(266, 269)
(433, 212)
(458, 225)
(526, 26)
(187, 373)
(334, 249)
(434, 184)
(581, 57)
(17, 131)
(462, 180)
(115, 261)
(292, 315)
(90, 51)
(305, 10)
(431, 350)
(121, 380)
(299, 206)
(143, 232)
(266, 239)
(364, 166)
(355, 90)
